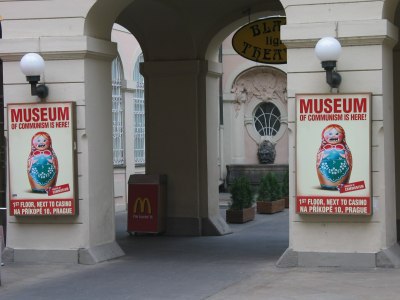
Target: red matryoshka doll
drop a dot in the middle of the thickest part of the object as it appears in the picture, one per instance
(42, 163)
(334, 160)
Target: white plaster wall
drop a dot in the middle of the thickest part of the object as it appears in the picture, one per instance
(310, 11)
(31, 19)
(234, 132)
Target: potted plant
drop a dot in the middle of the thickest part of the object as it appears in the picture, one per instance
(269, 199)
(285, 188)
(241, 209)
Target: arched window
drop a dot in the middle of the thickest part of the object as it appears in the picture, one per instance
(267, 119)
(117, 114)
(139, 120)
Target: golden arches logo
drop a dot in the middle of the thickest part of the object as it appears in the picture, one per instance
(144, 203)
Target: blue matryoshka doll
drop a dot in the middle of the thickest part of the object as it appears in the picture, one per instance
(334, 160)
(42, 163)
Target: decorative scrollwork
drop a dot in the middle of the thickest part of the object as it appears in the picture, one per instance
(263, 83)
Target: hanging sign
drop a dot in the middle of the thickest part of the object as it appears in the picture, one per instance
(333, 150)
(41, 159)
(260, 41)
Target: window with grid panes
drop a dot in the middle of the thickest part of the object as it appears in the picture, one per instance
(117, 114)
(139, 119)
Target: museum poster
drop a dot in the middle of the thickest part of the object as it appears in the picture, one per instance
(41, 159)
(333, 145)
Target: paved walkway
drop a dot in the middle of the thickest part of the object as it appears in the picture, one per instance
(240, 265)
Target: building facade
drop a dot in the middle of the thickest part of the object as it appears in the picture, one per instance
(182, 74)
(128, 113)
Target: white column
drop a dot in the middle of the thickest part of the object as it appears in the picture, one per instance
(78, 69)
(327, 240)
(178, 133)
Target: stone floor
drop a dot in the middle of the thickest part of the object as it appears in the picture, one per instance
(239, 266)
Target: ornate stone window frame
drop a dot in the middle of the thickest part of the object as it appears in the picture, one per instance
(251, 101)
(250, 126)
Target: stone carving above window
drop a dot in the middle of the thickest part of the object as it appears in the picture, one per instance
(261, 94)
(262, 83)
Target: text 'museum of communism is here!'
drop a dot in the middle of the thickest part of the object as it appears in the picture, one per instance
(333, 154)
(42, 159)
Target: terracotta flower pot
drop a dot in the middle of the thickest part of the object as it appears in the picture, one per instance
(270, 207)
(240, 216)
(286, 202)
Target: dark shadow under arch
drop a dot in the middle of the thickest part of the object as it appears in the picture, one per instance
(396, 111)
(3, 212)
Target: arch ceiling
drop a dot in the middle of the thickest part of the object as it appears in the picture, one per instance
(183, 29)
(389, 10)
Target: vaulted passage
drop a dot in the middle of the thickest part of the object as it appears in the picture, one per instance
(182, 70)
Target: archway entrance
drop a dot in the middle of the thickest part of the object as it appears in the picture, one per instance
(181, 67)
(269, 86)
(181, 72)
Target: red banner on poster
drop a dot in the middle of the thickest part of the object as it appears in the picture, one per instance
(58, 189)
(32, 207)
(333, 205)
(354, 186)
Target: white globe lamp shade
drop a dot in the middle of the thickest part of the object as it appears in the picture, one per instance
(328, 49)
(32, 64)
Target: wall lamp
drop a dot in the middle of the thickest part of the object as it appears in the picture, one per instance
(32, 65)
(328, 50)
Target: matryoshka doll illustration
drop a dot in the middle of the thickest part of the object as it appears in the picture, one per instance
(42, 163)
(334, 160)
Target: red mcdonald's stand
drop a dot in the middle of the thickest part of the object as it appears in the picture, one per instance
(147, 203)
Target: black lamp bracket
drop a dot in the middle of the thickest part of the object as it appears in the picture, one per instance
(333, 78)
(40, 90)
